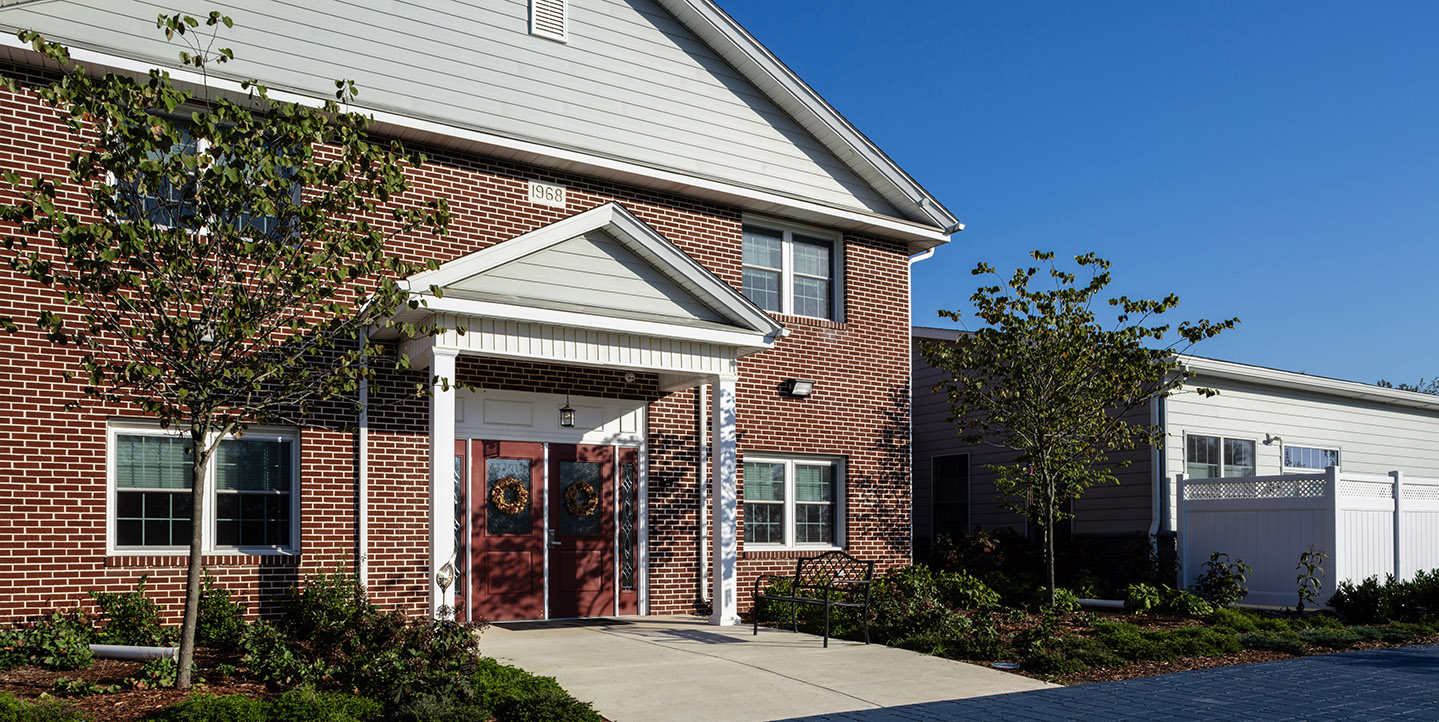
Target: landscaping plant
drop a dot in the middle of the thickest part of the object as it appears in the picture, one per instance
(131, 618)
(1222, 583)
(1310, 579)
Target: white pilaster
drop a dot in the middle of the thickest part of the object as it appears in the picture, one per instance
(724, 501)
(442, 479)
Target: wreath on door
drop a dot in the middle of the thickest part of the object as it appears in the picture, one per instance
(500, 497)
(578, 506)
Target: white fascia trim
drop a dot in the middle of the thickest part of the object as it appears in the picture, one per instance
(619, 222)
(765, 69)
(918, 235)
(1204, 367)
(490, 309)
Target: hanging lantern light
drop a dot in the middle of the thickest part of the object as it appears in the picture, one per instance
(567, 413)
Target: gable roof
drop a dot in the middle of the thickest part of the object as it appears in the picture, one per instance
(665, 93)
(672, 294)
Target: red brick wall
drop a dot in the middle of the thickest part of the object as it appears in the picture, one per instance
(52, 461)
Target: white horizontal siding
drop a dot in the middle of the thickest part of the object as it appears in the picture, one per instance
(595, 273)
(1372, 438)
(631, 83)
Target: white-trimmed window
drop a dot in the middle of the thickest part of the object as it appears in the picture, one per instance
(793, 502)
(1309, 457)
(252, 502)
(1214, 457)
(791, 270)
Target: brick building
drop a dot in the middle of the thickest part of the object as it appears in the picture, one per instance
(659, 234)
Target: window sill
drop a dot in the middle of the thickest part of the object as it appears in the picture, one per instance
(791, 320)
(227, 558)
(787, 552)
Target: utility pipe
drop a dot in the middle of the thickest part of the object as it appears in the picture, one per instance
(126, 651)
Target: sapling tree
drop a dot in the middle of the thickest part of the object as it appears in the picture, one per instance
(1046, 377)
(215, 261)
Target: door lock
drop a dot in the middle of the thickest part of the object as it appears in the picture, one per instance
(552, 540)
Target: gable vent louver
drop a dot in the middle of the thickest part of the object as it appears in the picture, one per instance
(549, 19)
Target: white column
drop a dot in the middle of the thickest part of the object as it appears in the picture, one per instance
(442, 479)
(724, 501)
(1398, 477)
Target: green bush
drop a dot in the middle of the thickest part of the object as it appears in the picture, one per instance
(962, 590)
(1232, 619)
(323, 612)
(1052, 661)
(1141, 598)
(514, 695)
(66, 687)
(1332, 638)
(1065, 601)
(12, 648)
(132, 618)
(1222, 582)
(222, 619)
(60, 640)
(14, 709)
(1163, 645)
(307, 705)
(212, 708)
(907, 604)
(160, 673)
(1383, 634)
(1364, 603)
(1286, 642)
(267, 655)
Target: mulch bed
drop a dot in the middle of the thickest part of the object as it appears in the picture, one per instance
(125, 705)
(1069, 626)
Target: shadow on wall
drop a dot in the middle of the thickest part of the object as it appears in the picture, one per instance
(886, 493)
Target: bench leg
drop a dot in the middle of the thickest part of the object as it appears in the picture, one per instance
(864, 614)
(794, 616)
(754, 612)
(826, 624)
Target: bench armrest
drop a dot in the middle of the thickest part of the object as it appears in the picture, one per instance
(759, 581)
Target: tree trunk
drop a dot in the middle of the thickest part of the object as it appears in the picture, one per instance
(1049, 547)
(201, 458)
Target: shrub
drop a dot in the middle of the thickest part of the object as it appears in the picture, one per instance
(1383, 634)
(1141, 598)
(907, 604)
(222, 619)
(961, 590)
(514, 695)
(1332, 638)
(1222, 582)
(1052, 661)
(212, 708)
(12, 648)
(325, 609)
(268, 657)
(60, 640)
(307, 705)
(160, 673)
(1196, 641)
(1233, 619)
(1363, 603)
(132, 618)
(1065, 601)
(66, 687)
(14, 709)
(1287, 642)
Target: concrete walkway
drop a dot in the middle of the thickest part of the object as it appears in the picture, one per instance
(659, 669)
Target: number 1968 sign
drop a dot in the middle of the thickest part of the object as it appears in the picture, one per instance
(547, 194)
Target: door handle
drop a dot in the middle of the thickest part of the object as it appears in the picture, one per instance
(552, 540)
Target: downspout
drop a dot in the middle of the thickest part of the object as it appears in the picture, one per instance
(909, 417)
(362, 505)
(1156, 462)
(701, 459)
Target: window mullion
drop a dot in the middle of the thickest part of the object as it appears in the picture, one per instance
(789, 504)
(787, 274)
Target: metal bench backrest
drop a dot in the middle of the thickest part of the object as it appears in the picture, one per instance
(821, 570)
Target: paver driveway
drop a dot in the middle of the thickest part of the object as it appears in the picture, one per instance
(661, 669)
(1386, 684)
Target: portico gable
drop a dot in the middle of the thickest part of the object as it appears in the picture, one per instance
(598, 289)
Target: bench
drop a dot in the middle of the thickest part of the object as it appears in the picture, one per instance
(832, 579)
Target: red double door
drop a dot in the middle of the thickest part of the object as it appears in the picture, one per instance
(526, 565)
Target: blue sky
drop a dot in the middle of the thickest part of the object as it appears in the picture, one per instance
(1275, 161)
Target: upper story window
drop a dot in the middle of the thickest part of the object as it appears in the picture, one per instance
(1213, 457)
(949, 484)
(793, 502)
(251, 502)
(1308, 457)
(791, 271)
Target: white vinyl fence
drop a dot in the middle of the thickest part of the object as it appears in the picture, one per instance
(1369, 525)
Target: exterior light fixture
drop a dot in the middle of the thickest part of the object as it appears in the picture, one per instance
(567, 413)
(797, 388)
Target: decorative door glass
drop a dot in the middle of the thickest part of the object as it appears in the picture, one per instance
(580, 482)
(629, 491)
(507, 495)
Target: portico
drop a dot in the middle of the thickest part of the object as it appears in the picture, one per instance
(600, 289)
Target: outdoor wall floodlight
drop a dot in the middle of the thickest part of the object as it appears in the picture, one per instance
(798, 388)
